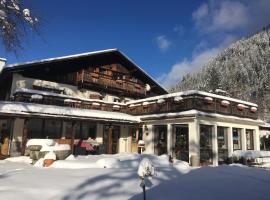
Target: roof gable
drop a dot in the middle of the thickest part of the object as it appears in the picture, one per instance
(91, 58)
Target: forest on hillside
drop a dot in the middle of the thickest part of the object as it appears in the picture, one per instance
(242, 70)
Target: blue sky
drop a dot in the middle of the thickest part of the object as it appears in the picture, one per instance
(166, 38)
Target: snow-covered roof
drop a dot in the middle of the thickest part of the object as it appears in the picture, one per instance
(63, 57)
(265, 125)
(196, 113)
(48, 60)
(20, 108)
(31, 91)
(191, 92)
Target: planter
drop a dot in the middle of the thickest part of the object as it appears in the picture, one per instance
(241, 106)
(34, 147)
(48, 162)
(35, 155)
(253, 109)
(208, 100)
(60, 155)
(225, 103)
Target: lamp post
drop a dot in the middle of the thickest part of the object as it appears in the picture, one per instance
(146, 169)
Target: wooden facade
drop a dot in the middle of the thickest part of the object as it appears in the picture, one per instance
(168, 105)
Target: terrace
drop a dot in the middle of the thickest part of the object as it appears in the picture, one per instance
(171, 103)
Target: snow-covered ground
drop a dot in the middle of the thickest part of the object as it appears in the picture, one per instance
(86, 178)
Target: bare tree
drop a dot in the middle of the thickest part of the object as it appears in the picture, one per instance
(15, 22)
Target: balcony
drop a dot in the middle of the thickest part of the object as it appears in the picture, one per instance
(144, 106)
(90, 79)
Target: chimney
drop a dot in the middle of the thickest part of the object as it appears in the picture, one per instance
(3, 62)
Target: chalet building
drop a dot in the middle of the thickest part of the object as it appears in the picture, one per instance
(105, 97)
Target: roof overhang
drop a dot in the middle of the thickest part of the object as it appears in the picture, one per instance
(89, 57)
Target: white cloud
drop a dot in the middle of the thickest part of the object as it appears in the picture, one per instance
(201, 12)
(163, 42)
(228, 15)
(178, 70)
(219, 22)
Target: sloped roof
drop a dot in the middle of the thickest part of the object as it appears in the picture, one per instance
(112, 52)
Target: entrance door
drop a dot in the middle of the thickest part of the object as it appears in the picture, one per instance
(222, 139)
(5, 137)
(111, 139)
(160, 144)
(206, 146)
(136, 135)
(181, 143)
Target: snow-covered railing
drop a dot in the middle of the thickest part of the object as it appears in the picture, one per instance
(208, 100)
(241, 106)
(225, 103)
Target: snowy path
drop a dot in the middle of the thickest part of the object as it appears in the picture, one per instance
(23, 181)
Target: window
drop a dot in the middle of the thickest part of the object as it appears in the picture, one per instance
(88, 131)
(67, 130)
(222, 138)
(250, 139)
(206, 150)
(52, 129)
(237, 139)
(34, 128)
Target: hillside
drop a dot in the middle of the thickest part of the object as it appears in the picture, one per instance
(242, 70)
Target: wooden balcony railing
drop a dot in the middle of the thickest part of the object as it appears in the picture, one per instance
(168, 105)
(105, 81)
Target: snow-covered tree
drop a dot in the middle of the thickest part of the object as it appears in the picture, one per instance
(15, 21)
(242, 70)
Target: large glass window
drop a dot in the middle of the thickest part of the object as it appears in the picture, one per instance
(181, 142)
(34, 128)
(222, 139)
(237, 139)
(160, 140)
(52, 129)
(88, 130)
(67, 130)
(250, 139)
(206, 150)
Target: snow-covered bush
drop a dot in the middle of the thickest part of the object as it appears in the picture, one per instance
(50, 156)
(146, 168)
(108, 163)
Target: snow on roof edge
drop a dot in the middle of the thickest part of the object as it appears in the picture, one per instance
(196, 112)
(31, 108)
(62, 57)
(190, 92)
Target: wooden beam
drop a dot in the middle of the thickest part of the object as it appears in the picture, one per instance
(110, 140)
(24, 137)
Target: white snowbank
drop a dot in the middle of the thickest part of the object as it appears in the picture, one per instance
(108, 163)
(50, 156)
(71, 157)
(41, 142)
(39, 163)
(56, 147)
(181, 166)
(20, 159)
(250, 154)
(122, 160)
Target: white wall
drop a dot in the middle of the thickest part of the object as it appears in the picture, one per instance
(194, 133)
(16, 144)
(22, 82)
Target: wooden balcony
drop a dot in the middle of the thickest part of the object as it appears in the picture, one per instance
(195, 102)
(105, 81)
(167, 105)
